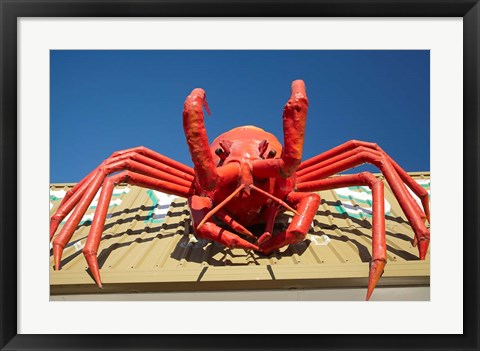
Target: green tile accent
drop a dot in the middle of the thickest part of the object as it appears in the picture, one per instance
(150, 218)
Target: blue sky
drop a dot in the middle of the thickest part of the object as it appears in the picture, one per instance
(104, 101)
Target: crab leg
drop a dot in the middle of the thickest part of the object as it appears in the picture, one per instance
(294, 121)
(310, 165)
(199, 207)
(180, 187)
(409, 207)
(270, 215)
(93, 241)
(379, 251)
(67, 231)
(309, 173)
(146, 168)
(118, 160)
(307, 205)
(158, 157)
(197, 139)
(77, 186)
(67, 206)
(219, 206)
(156, 160)
(232, 195)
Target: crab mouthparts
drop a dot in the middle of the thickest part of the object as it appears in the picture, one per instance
(246, 188)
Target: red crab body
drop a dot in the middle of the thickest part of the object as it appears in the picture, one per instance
(243, 151)
(246, 177)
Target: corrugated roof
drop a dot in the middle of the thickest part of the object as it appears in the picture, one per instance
(148, 245)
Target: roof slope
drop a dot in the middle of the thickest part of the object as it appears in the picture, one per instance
(148, 245)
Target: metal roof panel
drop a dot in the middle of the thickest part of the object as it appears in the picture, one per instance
(148, 245)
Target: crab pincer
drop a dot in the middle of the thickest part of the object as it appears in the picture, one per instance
(199, 207)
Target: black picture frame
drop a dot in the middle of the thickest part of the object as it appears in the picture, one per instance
(11, 10)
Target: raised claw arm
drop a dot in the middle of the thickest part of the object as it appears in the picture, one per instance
(294, 121)
(197, 139)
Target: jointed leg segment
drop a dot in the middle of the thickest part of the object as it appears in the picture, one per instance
(146, 167)
(98, 223)
(172, 170)
(306, 204)
(344, 157)
(200, 207)
(353, 147)
(379, 253)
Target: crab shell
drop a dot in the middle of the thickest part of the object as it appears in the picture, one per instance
(244, 145)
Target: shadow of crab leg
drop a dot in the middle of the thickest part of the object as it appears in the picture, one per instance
(294, 121)
(379, 246)
(93, 240)
(226, 218)
(409, 207)
(108, 167)
(311, 164)
(199, 207)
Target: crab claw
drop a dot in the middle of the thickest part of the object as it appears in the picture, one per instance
(199, 93)
(199, 206)
(226, 218)
(264, 238)
(213, 232)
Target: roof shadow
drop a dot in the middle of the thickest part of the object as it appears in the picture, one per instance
(208, 251)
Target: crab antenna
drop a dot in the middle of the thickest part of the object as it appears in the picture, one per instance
(219, 206)
(275, 199)
(232, 195)
(197, 139)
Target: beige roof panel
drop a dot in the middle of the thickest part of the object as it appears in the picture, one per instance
(148, 245)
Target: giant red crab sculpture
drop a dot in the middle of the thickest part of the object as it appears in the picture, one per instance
(243, 178)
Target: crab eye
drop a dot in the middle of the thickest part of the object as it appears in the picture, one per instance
(226, 146)
(262, 147)
(221, 153)
(271, 154)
